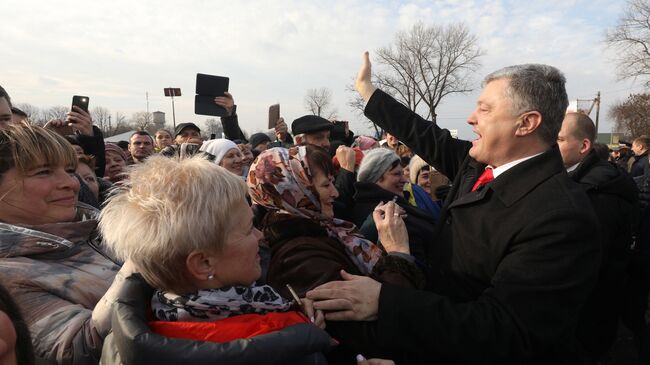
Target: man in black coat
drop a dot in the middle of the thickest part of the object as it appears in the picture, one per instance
(516, 256)
(614, 198)
(641, 149)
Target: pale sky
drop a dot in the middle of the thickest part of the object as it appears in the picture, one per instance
(274, 51)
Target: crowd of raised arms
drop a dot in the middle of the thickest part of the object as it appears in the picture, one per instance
(307, 244)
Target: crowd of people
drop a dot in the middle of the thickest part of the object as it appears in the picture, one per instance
(529, 244)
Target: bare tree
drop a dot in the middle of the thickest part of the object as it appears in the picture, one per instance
(56, 112)
(319, 102)
(118, 125)
(358, 105)
(101, 118)
(213, 126)
(631, 40)
(427, 63)
(632, 115)
(142, 121)
(33, 112)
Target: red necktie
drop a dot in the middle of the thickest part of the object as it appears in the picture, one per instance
(485, 178)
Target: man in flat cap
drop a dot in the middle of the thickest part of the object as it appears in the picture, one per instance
(312, 129)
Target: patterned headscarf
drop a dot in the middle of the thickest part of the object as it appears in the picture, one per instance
(280, 181)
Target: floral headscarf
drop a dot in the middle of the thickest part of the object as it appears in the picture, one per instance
(280, 181)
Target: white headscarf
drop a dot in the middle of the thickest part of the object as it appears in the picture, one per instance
(218, 148)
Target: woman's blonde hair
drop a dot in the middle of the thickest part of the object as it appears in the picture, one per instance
(25, 147)
(169, 208)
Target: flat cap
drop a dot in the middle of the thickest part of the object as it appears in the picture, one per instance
(310, 124)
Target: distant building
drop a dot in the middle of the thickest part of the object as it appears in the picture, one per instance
(610, 138)
(159, 119)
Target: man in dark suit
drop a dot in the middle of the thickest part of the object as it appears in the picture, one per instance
(614, 199)
(514, 261)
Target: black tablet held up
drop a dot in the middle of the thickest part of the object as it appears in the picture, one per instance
(209, 87)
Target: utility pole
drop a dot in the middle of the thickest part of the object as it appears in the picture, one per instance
(147, 94)
(597, 110)
(171, 92)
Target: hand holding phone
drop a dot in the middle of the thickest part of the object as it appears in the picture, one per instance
(79, 117)
(281, 129)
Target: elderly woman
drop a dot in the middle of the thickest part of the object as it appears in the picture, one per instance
(426, 177)
(225, 154)
(310, 247)
(381, 179)
(115, 162)
(196, 244)
(50, 259)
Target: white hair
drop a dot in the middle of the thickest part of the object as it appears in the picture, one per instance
(169, 208)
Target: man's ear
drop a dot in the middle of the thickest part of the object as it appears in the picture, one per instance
(528, 123)
(298, 140)
(586, 146)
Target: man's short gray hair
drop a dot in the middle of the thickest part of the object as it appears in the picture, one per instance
(535, 87)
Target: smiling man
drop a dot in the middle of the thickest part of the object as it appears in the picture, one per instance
(514, 260)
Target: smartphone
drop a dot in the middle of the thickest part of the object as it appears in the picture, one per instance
(81, 102)
(274, 115)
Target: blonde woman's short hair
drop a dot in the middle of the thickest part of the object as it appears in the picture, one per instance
(25, 147)
(168, 208)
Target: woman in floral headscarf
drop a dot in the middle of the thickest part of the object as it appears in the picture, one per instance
(310, 247)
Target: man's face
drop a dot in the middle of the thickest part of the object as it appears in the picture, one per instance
(638, 149)
(140, 147)
(189, 135)
(321, 138)
(5, 113)
(391, 141)
(572, 148)
(495, 123)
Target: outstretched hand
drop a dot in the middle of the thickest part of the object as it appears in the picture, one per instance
(363, 83)
(356, 298)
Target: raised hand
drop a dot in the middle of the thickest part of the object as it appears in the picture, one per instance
(226, 101)
(363, 83)
(80, 120)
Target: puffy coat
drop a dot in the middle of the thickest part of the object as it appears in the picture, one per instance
(133, 342)
(57, 273)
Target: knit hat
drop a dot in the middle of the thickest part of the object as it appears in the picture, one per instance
(112, 147)
(415, 166)
(366, 143)
(218, 148)
(258, 138)
(375, 163)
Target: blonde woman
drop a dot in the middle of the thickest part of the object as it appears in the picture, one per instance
(186, 226)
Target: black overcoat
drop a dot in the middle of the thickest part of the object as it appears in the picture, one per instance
(516, 259)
